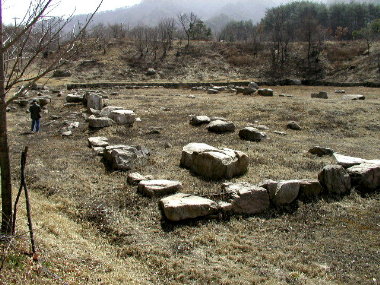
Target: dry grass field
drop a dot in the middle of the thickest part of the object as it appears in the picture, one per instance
(93, 228)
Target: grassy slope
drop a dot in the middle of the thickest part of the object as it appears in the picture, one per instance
(210, 61)
(93, 228)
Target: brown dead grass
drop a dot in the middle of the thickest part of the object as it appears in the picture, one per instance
(91, 226)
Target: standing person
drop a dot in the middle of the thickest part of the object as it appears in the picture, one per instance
(35, 114)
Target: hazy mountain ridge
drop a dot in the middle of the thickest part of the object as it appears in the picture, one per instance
(150, 12)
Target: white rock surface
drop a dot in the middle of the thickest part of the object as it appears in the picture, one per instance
(159, 188)
(181, 206)
(123, 117)
(213, 163)
(247, 198)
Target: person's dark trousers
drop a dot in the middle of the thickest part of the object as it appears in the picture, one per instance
(35, 125)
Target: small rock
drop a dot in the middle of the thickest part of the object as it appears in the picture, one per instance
(168, 145)
(135, 178)
(253, 85)
(280, 133)
(97, 142)
(321, 151)
(265, 92)
(158, 188)
(199, 120)
(212, 91)
(67, 133)
(252, 134)
(293, 126)
(340, 91)
(219, 126)
(353, 97)
(151, 71)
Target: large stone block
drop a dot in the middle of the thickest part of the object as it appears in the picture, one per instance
(335, 179)
(247, 198)
(213, 163)
(158, 188)
(181, 206)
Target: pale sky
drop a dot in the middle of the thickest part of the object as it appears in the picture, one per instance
(17, 8)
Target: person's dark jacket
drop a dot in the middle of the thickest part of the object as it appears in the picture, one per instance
(35, 111)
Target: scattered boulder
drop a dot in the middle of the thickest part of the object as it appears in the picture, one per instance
(181, 206)
(335, 179)
(252, 134)
(247, 198)
(158, 188)
(213, 163)
(253, 85)
(135, 178)
(94, 101)
(219, 126)
(74, 98)
(123, 117)
(98, 142)
(101, 122)
(61, 73)
(293, 126)
(340, 91)
(265, 92)
(125, 157)
(353, 97)
(348, 161)
(151, 72)
(106, 111)
(285, 192)
(98, 150)
(320, 95)
(212, 91)
(365, 176)
(310, 189)
(280, 133)
(321, 151)
(199, 120)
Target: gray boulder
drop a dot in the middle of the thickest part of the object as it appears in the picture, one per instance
(158, 188)
(101, 122)
(335, 179)
(135, 178)
(74, 98)
(310, 189)
(219, 126)
(212, 91)
(265, 92)
(285, 192)
(214, 163)
(365, 177)
(247, 198)
(124, 157)
(181, 206)
(348, 161)
(252, 134)
(97, 141)
(293, 126)
(199, 120)
(123, 117)
(321, 151)
(253, 85)
(95, 101)
(106, 111)
(61, 73)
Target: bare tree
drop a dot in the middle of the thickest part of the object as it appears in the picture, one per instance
(187, 22)
(22, 63)
(166, 29)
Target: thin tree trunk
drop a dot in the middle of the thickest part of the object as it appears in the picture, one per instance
(6, 184)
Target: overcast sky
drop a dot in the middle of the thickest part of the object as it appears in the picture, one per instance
(17, 8)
